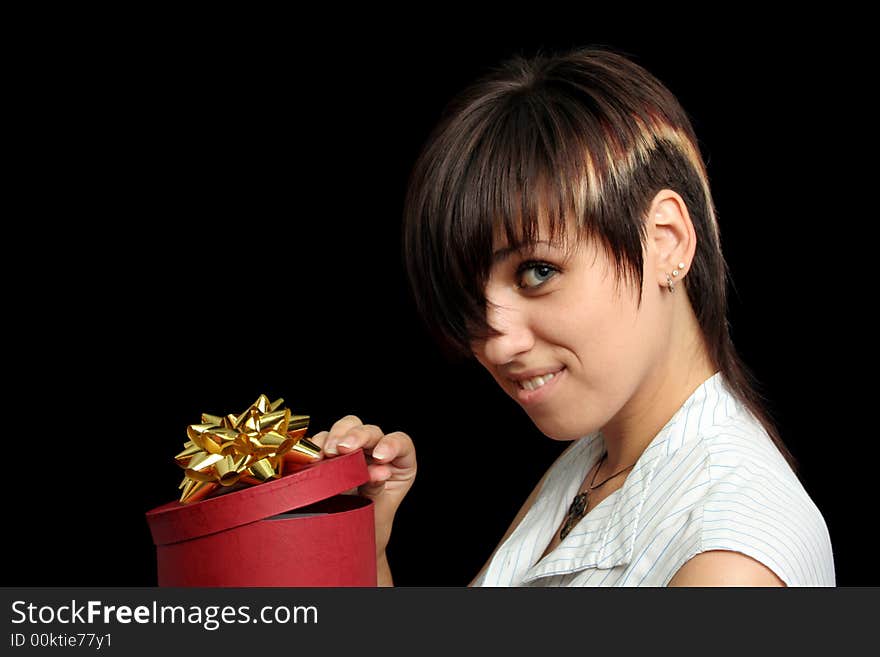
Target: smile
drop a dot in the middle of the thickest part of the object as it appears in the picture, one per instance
(537, 388)
(535, 382)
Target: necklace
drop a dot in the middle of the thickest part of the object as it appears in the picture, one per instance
(578, 508)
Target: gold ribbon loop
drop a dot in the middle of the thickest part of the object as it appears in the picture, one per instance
(249, 448)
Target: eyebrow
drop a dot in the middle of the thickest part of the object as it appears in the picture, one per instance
(502, 254)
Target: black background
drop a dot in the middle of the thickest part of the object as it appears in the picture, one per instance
(204, 210)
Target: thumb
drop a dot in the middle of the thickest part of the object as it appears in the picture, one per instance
(372, 490)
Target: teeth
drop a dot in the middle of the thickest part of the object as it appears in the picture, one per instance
(537, 382)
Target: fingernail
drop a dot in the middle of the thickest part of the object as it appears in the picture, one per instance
(330, 448)
(379, 453)
(347, 442)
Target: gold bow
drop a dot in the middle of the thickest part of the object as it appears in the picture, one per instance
(249, 448)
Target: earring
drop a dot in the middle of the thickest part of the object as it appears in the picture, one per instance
(669, 283)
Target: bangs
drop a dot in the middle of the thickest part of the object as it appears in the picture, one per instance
(507, 155)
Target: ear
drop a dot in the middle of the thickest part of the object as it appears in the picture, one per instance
(672, 235)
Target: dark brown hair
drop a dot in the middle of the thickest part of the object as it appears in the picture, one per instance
(588, 134)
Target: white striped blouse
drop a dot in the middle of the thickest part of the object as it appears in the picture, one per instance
(711, 479)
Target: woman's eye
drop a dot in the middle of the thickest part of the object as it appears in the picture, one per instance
(530, 275)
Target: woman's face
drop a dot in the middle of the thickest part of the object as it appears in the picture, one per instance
(567, 316)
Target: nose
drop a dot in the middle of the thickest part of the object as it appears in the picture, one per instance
(515, 335)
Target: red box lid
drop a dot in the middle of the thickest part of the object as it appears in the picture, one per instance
(174, 522)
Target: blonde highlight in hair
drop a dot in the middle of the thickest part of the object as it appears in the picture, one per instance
(587, 134)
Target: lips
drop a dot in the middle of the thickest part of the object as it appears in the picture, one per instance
(531, 374)
(526, 397)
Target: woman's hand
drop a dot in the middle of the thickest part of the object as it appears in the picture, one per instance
(391, 461)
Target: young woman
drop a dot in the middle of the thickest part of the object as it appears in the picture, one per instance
(559, 228)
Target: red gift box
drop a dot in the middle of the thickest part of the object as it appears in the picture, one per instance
(297, 530)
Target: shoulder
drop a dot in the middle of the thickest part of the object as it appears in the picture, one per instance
(725, 568)
(759, 525)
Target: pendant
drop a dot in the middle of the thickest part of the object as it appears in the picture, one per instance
(576, 511)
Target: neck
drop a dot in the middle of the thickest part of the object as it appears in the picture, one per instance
(661, 393)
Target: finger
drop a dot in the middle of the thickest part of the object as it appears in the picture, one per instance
(379, 473)
(372, 490)
(397, 448)
(363, 437)
(319, 439)
(338, 430)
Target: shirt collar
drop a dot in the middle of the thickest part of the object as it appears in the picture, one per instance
(605, 537)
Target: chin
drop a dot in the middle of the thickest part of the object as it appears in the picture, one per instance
(561, 434)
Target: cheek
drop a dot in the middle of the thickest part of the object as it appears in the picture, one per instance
(608, 336)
